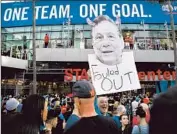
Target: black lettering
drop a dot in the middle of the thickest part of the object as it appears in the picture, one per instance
(107, 72)
(117, 72)
(129, 76)
(112, 72)
(97, 76)
(103, 82)
(117, 88)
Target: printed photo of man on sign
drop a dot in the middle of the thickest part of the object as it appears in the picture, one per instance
(107, 40)
(111, 69)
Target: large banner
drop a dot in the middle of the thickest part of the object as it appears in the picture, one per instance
(57, 12)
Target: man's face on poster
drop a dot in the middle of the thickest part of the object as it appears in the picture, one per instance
(107, 43)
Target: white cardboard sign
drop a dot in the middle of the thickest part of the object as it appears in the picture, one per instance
(114, 78)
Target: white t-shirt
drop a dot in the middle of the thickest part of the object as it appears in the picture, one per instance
(134, 106)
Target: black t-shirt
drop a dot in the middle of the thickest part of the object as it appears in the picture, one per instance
(94, 125)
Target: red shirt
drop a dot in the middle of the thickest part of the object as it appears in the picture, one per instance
(46, 39)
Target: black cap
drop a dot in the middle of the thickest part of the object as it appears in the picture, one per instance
(83, 89)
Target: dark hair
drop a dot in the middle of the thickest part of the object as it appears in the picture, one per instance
(134, 98)
(32, 108)
(140, 111)
(122, 116)
(52, 113)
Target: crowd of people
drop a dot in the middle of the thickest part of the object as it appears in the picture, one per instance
(84, 112)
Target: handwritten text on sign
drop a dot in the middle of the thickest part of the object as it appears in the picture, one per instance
(117, 78)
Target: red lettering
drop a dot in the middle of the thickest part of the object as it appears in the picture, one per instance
(151, 74)
(68, 75)
(159, 74)
(84, 74)
(77, 73)
(167, 75)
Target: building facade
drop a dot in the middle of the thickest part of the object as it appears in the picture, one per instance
(70, 36)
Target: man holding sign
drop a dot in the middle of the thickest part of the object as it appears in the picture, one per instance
(112, 70)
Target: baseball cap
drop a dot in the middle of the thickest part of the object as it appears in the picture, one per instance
(12, 104)
(83, 89)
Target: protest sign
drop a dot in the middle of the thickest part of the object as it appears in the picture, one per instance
(116, 78)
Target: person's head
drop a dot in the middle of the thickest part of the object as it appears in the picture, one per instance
(84, 96)
(35, 109)
(124, 119)
(163, 113)
(107, 40)
(52, 117)
(134, 98)
(145, 107)
(140, 113)
(12, 104)
(103, 105)
(121, 110)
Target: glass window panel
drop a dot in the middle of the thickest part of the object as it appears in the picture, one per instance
(8, 36)
(66, 34)
(18, 36)
(19, 29)
(4, 37)
(46, 28)
(3, 47)
(153, 27)
(56, 28)
(42, 35)
(87, 27)
(39, 43)
(8, 44)
(77, 34)
(28, 29)
(55, 35)
(130, 26)
(87, 34)
(66, 27)
(8, 30)
(29, 44)
(38, 35)
(28, 35)
(78, 27)
(76, 43)
(88, 44)
(38, 29)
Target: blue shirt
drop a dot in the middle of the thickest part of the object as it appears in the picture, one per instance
(140, 129)
(61, 116)
(96, 107)
(71, 121)
(19, 108)
(117, 121)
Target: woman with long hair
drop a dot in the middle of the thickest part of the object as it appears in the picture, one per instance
(125, 126)
(32, 119)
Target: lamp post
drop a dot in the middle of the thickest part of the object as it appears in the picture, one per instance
(34, 90)
(167, 33)
(69, 23)
(173, 36)
(142, 24)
